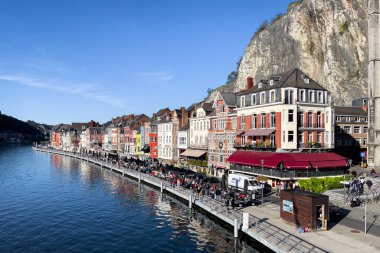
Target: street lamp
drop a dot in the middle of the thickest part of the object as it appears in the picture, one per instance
(350, 162)
(262, 186)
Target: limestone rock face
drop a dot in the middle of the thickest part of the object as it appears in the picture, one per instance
(326, 39)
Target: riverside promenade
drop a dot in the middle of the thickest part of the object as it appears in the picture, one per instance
(262, 223)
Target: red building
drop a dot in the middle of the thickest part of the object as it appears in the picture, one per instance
(163, 114)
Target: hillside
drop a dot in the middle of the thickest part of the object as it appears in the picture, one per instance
(325, 39)
(14, 130)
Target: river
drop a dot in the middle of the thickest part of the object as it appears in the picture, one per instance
(51, 203)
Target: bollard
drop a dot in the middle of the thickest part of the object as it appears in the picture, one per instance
(190, 201)
(236, 228)
(245, 221)
(162, 187)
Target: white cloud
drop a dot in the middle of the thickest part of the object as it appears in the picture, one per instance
(88, 90)
(155, 76)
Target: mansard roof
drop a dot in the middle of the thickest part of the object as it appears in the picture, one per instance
(294, 78)
(350, 111)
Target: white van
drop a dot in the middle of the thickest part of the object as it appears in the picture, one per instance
(237, 180)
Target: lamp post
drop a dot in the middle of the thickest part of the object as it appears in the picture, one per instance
(262, 186)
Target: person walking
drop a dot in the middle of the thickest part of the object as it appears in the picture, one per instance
(227, 203)
(232, 203)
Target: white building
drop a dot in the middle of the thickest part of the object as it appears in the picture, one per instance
(289, 111)
(165, 140)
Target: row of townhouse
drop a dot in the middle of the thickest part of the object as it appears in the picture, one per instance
(288, 112)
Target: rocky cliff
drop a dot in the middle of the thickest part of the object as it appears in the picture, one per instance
(326, 39)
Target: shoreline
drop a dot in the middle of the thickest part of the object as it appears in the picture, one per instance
(269, 235)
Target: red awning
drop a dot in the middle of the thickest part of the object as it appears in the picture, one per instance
(259, 132)
(329, 164)
(290, 160)
(296, 165)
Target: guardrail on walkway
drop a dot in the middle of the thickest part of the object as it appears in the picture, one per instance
(266, 233)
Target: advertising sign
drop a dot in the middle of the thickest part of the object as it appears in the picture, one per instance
(287, 206)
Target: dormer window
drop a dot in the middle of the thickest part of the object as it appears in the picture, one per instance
(260, 85)
(272, 97)
(253, 99)
(262, 98)
(271, 82)
(306, 80)
(242, 101)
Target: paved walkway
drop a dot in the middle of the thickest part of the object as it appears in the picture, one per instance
(339, 238)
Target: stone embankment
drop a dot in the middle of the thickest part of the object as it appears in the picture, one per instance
(268, 234)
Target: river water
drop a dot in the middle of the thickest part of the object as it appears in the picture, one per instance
(51, 203)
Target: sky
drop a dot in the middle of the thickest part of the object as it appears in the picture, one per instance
(64, 61)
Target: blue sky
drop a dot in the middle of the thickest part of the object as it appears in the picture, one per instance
(77, 60)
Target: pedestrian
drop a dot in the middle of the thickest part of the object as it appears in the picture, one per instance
(227, 202)
(369, 184)
(232, 203)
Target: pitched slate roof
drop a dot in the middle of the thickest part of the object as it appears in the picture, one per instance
(294, 78)
(185, 127)
(229, 98)
(350, 111)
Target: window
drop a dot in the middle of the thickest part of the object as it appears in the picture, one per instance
(338, 119)
(272, 119)
(242, 140)
(242, 122)
(365, 141)
(356, 130)
(300, 137)
(182, 140)
(242, 101)
(364, 101)
(327, 137)
(301, 120)
(234, 123)
(271, 82)
(288, 97)
(319, 137)
(290, 136)
(320, 97)
(291, 115)
(365, 130)
(310, 116)
(272, 96)
(311, 95)
(263, 123)
(310, 137)
(302, 96)
(319, 119)
(262, 97)
(366, 119)
(254, 121)
(283, 136)
(347, 129)
(327, 117)
(357, 142)
(357, 119)
(253, 99)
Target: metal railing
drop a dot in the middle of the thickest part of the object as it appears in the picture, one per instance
(264, 230)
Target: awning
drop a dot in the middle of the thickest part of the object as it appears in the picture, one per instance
(329, 164)
(193, 153)
(289, 160)
(239, 132)
(259, 132)
(296, 165)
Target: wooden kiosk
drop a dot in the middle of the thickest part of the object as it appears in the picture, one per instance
(305, 209)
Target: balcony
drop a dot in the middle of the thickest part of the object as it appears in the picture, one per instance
(312, 145)
(256, 146)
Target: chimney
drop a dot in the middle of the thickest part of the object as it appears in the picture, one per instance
(249, 82)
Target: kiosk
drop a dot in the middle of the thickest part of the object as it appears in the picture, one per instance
(305, 209)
